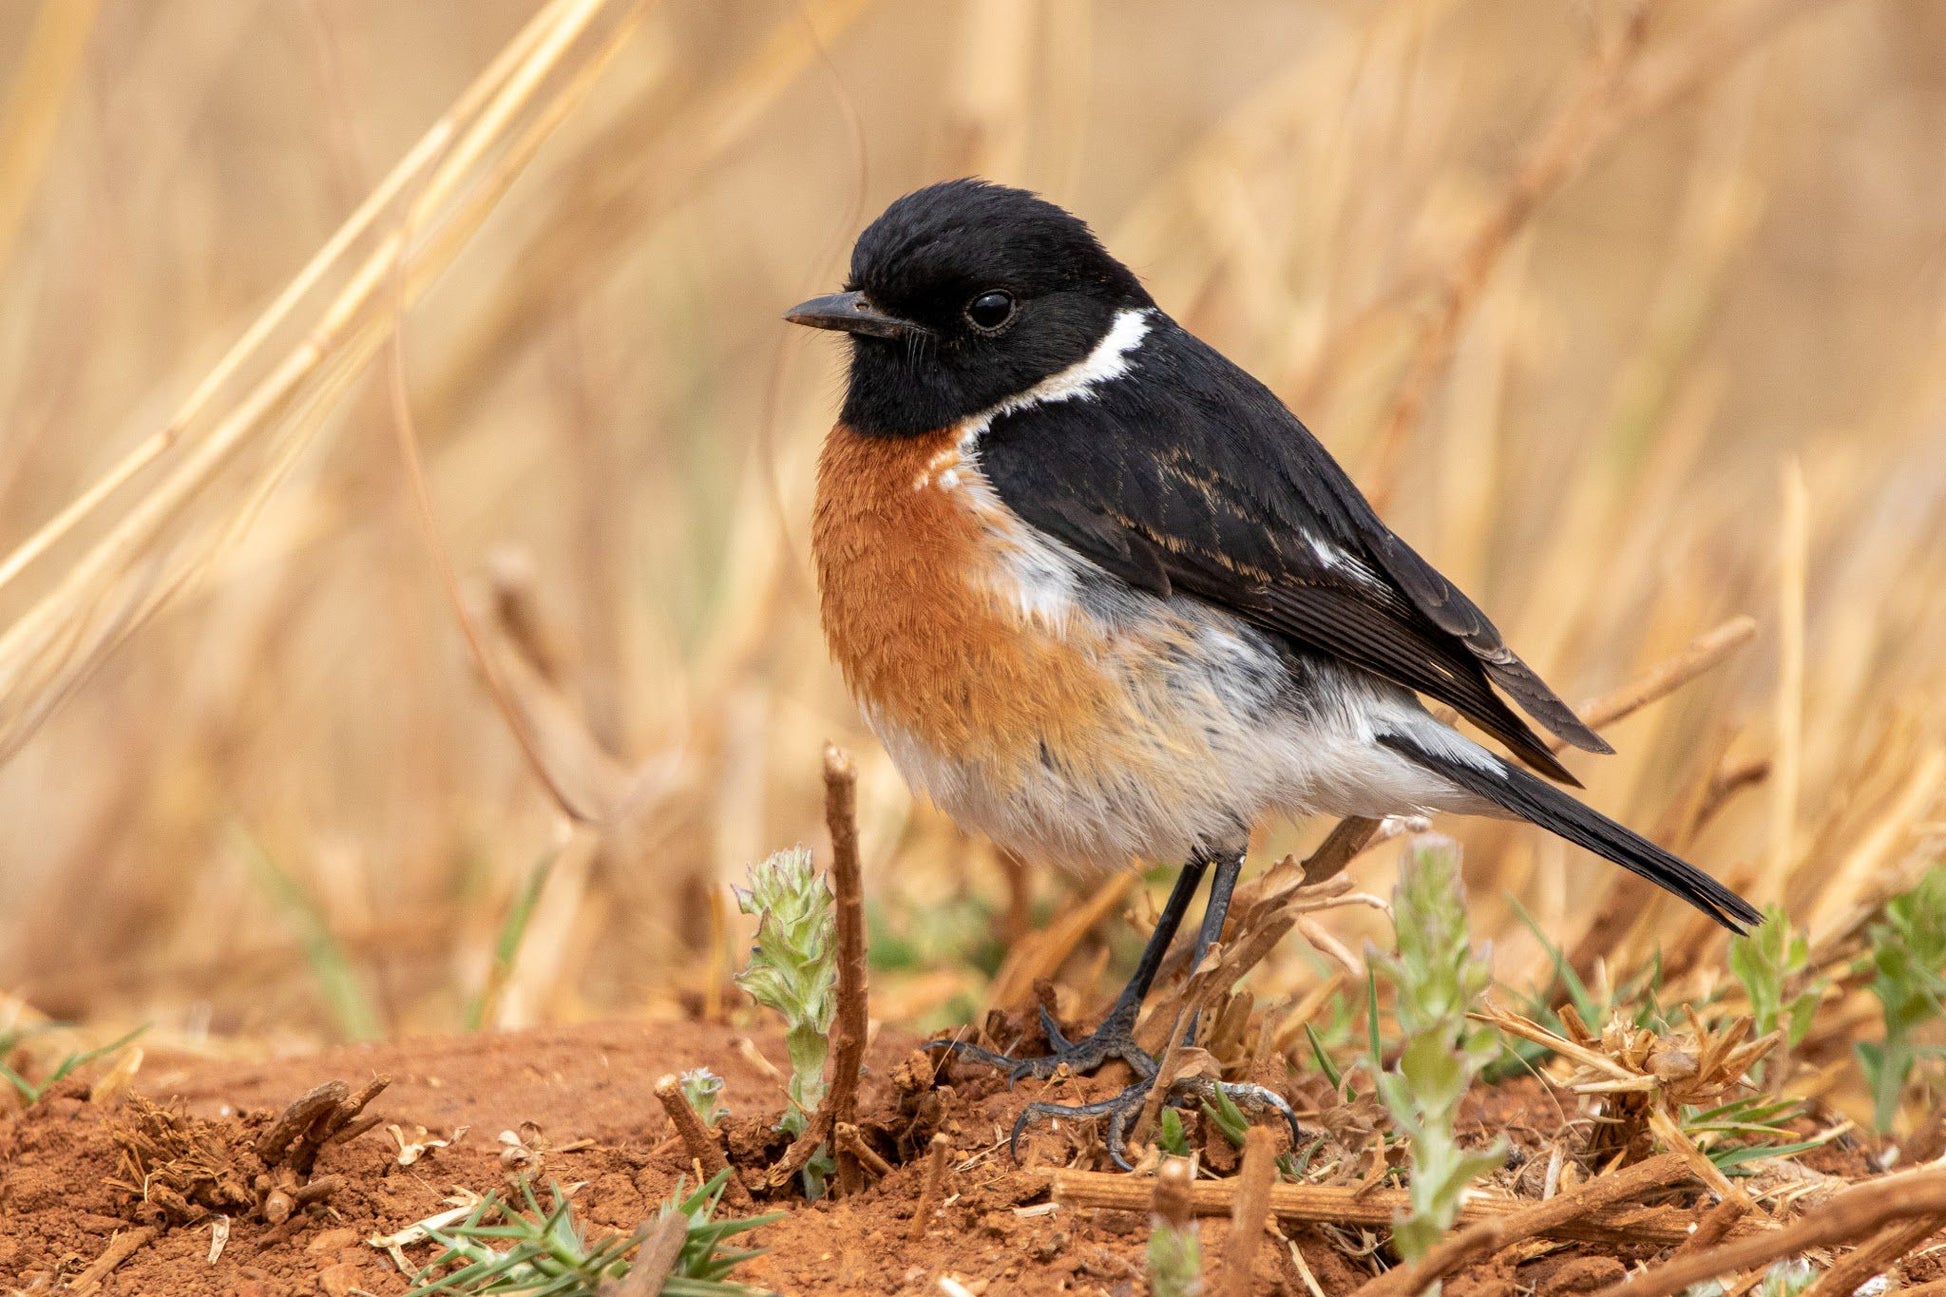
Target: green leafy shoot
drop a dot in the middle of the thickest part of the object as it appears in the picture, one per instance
(506, 944)
(1332, 1072)
(1746, 1130)
(1771, 962)
(1224, 1114)
(501, 1248)
(704, 1091)
(793, 971)
(345, 995)
(1170, 1136)
(1437, 976)
(32, 1092)
(1908, 954)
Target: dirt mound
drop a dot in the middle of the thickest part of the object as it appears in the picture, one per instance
(580, 1101)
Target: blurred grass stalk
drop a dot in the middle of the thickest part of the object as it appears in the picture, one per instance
(426, 209)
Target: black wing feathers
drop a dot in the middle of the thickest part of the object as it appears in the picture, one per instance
(1198, 480)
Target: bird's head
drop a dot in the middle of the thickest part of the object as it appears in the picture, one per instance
(962, 295)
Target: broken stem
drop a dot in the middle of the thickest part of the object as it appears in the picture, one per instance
(1251, 1210)
(931, 1186)
(840, 1105)
(702, 1146)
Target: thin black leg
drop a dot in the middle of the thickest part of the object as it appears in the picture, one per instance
(1214, 914)
(1129, 1003)
(1115, 1037)
(1221, 887)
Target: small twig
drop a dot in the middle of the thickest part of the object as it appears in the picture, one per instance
(1346, 839)
(1251, 1210)
(696, 1137)
(1714, 1227)
(1165, 1072)
(119, 1249)
(1486, 1237)
(1861, 1210)
(1665, 677)
(303, 1112)
(840, 1105)
(850, 1140)
(848, 883)
(931, 1186)
(1670, 1132)
(1302, 1204)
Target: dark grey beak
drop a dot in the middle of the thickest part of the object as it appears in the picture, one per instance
(849, 313)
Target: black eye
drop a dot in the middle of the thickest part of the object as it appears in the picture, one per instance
(989, 311)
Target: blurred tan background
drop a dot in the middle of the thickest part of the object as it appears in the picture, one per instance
(1583, 292)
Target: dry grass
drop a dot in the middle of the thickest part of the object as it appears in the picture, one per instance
(1585, 291)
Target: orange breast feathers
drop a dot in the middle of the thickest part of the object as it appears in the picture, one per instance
(926, 619)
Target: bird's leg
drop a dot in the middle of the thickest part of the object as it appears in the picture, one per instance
(1215, 914)
(1115, 1037)
(1122, 1109)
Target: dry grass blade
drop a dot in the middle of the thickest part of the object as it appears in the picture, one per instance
(226, 449)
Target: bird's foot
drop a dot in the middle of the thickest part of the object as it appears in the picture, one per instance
(1123, 1109)
(1114, 1039)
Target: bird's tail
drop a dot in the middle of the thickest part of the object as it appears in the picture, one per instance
(1486, 776)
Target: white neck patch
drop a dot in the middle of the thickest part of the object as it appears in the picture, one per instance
(1111, 358)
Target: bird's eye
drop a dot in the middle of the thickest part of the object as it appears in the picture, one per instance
(990, 311)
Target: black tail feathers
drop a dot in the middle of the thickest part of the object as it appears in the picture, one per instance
(1513, 789)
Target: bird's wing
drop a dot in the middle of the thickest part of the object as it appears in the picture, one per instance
(1189, 476)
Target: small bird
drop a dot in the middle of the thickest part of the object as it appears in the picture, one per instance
(1104, 598)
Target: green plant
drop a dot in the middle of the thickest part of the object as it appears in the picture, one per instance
(1170, 1137)
(345, 996)
(1908, 954)
(1745, 1130)
(793, 971)
(704, 1091)
(506, 945)
(547, 1253)
(1221, 1111)
(1436, 976)
(31, 1092)
(1771, 963)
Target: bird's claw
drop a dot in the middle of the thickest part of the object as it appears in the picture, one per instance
(1114, 1039)
(1124, 1108)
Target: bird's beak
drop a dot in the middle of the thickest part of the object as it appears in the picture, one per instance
(850, 313)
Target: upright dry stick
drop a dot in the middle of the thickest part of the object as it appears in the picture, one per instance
(930, 1187)
(849, 1027)
(1251, 1211)
(848, 882)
